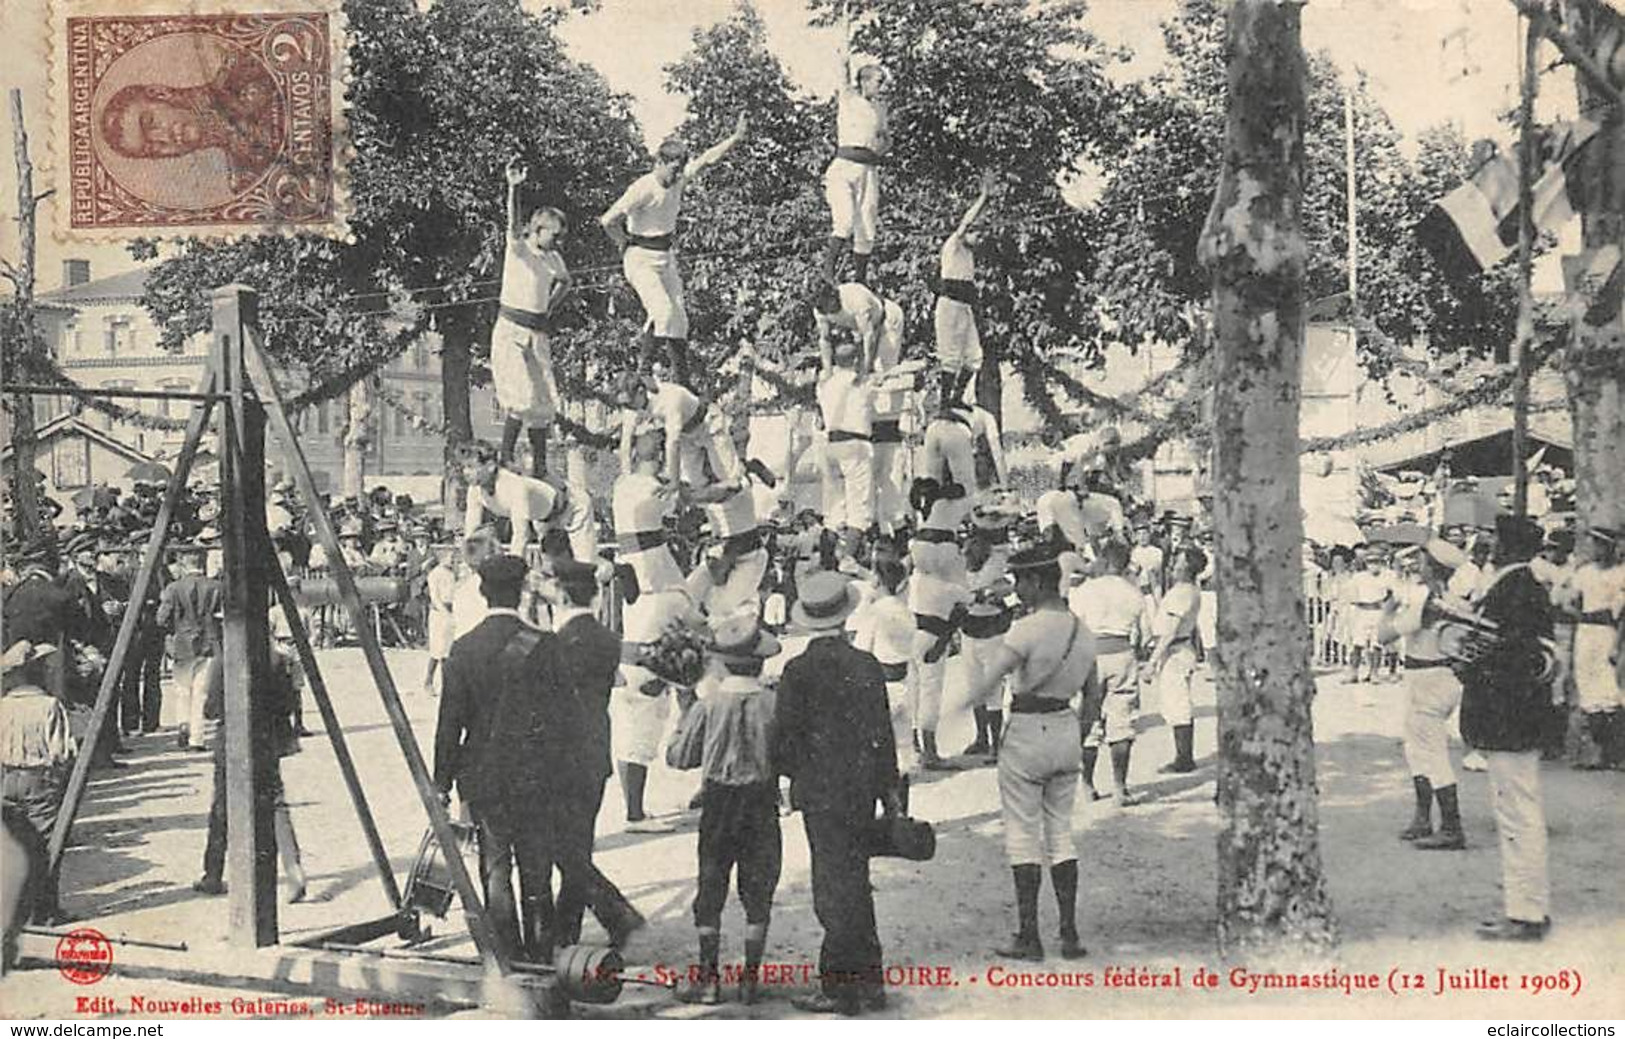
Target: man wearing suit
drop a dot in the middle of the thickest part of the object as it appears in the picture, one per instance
(590, 656)
(492, 725)
(1504, 704)
(188, 608)
(834, 741)
(39, 610)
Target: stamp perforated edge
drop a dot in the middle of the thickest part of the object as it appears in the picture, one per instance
(59, 113)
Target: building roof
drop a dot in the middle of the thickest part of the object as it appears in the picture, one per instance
(67, 424)
(126, 287)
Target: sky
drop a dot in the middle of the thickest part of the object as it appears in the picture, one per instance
(1430, 62)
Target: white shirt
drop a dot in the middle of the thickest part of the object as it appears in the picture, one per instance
(888, 353)
(467, 605)
(885, 627)
(650, 208)
(735, 514)
(1599, 588)
(442, 585)
(529, 277)
(1079, 520)
(847, 404)
(674, 404)
(1464, 582)
(639, 504)
(523, 499)
(1109, 604)
(859, 123)
(1419, 641)
(1180, 608)
(1038, 639)
(958, 261)
(1147, 562)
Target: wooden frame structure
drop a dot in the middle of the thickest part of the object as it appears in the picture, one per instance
(240, 380)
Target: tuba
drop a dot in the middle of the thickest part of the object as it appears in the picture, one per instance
(1466, 636)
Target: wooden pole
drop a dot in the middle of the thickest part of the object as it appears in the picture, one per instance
(151, 557)
(251, 762)
(22, 279)
(479, 926)
(1352, 215)
(1526, 247)
(335, 733)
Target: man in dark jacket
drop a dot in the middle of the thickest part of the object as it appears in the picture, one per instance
(498, 740)
(834, 741)
(1503, 707)
(590, 656)
(188, 608)
(39, 610)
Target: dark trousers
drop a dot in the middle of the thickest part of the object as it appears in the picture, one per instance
(513, 837)
(141, 696)
(33, 798)
(739, 826)
(214, 848)
(849, 959)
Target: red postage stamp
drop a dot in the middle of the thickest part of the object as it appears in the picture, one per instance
(198, 122)
(84, 956)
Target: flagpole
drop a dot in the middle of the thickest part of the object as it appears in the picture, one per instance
(1526, 301)
(1354, 230)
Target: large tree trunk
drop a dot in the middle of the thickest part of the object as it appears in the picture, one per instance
(358, 433)
(1272, 898)
(1594, 364)
(456, 360)
(23, 335)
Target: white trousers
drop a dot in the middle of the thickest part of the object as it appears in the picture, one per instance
(1174, 685)
(977, 655)
(1038, 785)
(900, 700)
(929, 679)
(1595, 686)
(1119, 703)
(522, 373)
(891, 501)
(742, 590)
(959, 345)
(849, 484)
(655, 278)
(1520, 824)
(852, 190)
(1434, 693)
(706, 447)
(192, 677)
(637, 721)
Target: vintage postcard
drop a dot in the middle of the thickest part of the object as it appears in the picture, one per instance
(864, 510)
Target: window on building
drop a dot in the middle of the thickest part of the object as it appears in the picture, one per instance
(420, 355)
(73, 338)
(174, 408)
(400, 421)
(104, 420)
(323, 417)
(421, 401)
(120, 334)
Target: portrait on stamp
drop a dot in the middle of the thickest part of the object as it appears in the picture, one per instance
(199, 120)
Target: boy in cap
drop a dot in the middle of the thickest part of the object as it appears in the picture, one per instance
(729, 736)
(642, 222)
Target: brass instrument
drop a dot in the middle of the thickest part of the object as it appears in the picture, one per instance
(1466, 636)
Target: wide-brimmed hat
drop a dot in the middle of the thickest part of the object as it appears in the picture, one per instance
(741, 637)
(1445, 554)
(22, 653)
(827, 599)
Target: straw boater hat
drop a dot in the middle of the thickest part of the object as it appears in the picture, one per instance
(22, 653)
(827, 599)
(1445, 554)
(740, 637)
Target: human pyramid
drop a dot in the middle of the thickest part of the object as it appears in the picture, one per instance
(914, 570)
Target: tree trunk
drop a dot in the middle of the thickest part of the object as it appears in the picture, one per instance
(26, 332)
(1594, 363)
(456, 360)
(358, 434)
(1272, 898)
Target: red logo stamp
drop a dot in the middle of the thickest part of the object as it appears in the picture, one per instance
(84, 956)
(198, 120)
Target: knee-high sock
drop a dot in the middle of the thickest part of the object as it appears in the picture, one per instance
(1064, 875)
(510, 437)
(834, 250)
(860, 267)
(633, 778)
(538, 451)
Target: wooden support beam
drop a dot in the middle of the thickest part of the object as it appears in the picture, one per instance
(479, 926)
(151, 558)
(249, 701)
(335, 732)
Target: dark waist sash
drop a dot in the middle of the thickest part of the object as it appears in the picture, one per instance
(736, 545)
(841, 436)
(1602, 617)
(941, 628)
(527, 319)
(860, 154)
(659, 243)
(1027, 703)
(641, 540)
(887, 431)
(1418, 664)
(1366, 605)
(957, 289)
(935, 536)
(697, 419)
(986, 625)
(895, 672)
(1107, 644)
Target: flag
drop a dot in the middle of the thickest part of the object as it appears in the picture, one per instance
(1475, 226)
(1595, 280)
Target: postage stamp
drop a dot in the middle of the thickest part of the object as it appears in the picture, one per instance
(213, 117)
